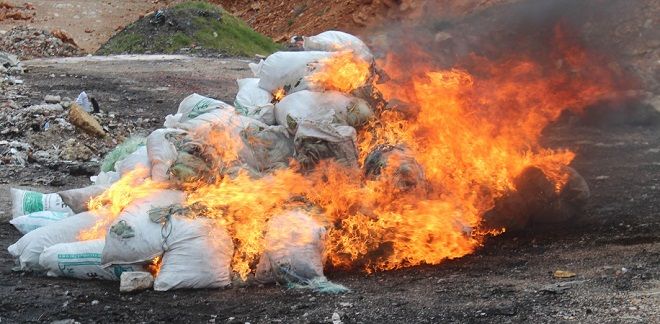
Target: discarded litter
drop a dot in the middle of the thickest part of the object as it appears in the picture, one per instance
(83, 120)
(563, 274)
(83, 102)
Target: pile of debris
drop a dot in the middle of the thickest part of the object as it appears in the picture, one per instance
(29, 42)
(10, 70)
(49, 133)
(9, 11)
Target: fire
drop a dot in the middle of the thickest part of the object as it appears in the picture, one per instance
(343, 71)
(455, 143)
(279, 94)
(154, 266)
(132, 186)
(467, 134)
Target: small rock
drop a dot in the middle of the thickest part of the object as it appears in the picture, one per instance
(50, 99)
(131, 281)
(336, 318)
(95, 302)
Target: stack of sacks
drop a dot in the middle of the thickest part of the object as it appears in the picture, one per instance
(321, 122)
(204, 139)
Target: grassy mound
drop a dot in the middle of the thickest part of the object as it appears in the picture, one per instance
(195, 26)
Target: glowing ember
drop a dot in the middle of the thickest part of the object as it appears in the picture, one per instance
(109, 204)
(343, 72)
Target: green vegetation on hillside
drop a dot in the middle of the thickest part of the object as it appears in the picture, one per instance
(196, 25)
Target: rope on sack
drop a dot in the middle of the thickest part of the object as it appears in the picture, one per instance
(164, 217)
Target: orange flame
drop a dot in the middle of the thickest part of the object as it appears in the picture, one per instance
(154, 266)
(343, 71)
(279, 94)
(132, 186)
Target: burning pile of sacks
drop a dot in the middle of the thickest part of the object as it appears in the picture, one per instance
(286, 114)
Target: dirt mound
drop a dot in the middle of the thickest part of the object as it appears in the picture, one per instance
(282, 19)
(11, 12)
(28, 42)
(191, 27)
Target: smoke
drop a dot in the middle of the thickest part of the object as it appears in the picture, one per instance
(616, 34)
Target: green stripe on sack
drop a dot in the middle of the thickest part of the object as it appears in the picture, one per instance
(33, 202)
(79, 256)
(81, 263)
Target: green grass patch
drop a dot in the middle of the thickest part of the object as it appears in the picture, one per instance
(196, 25)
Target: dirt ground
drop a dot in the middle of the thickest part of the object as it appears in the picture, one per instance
(616, 257)
(89, 22)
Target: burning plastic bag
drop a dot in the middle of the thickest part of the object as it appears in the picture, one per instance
(162, 152)
(29, 247)
(254, 102)
(294, 245)
(81, 260)
(330, 106)
(193, 106)
(198, 255)
(319, 141)
(334, 41)
(133, 237)
(287, 70)
(31, 222)
(26, 202)
(77, 199)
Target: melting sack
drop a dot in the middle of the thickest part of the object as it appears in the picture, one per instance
(81, 260)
